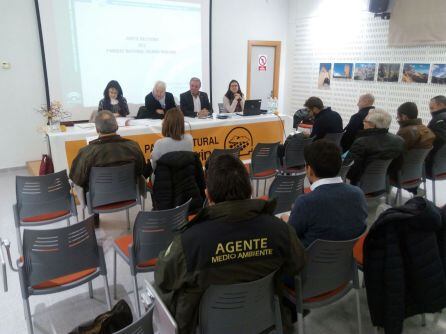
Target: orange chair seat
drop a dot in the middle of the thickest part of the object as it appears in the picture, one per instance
(307, 190)
(358, 250)
(265, 198)
(116, 205)
(149, 184)
(123, 244)
(322, 296)
(190, 217)
(305, 126)
(46, 216)
(64, 279)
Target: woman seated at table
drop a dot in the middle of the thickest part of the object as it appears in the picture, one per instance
(158, 101)
(114, 100)
(233, 101)
(175, 139)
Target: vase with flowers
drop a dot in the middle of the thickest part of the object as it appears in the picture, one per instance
(53, 114)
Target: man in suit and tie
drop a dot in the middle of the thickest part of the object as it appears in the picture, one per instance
(193, 102)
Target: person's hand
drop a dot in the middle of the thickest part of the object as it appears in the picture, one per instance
(203, 113)
(160, 111)
(285, 218)
(237, 96)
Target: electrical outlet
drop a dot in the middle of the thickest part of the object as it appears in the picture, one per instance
(5, 65)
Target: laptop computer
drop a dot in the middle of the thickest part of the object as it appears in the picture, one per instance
(252, 108)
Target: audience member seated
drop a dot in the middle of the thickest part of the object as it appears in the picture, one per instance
(344, 206)
(234, 100)
(365, 103)
(373, 143)
(235, 239)
(110, 149)
(194, 102)
(175, 139)
(158, 101)
(325, 119)
(437, 124)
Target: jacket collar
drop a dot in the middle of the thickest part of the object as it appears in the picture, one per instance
(323, 111)
(365, 110)
(438, 112)
(234, 211)
(372, 132)
(108, 139)
(410, 122)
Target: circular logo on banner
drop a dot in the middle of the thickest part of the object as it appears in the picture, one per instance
(239, 137)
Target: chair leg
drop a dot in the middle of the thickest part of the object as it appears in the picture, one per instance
(300, 323)
(264, 187)
(127, 212)
(257, 188)
(358, 309)
(68, 221)
(423, 320)
(83, 213)
(19, 240)
(28, 317)
(107, 292)
(90, 289)
(114, 275)
(135, 288)
(433, 191)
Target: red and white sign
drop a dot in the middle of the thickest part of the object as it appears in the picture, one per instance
(262, 62)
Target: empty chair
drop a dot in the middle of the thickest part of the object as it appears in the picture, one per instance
(250, 307)
(344, 170)
(373, 181)
(152, 233)
(42, 200)
(330, 273)
(141, 326)
(438, 169)
(410, 175)
(113, 189)
(294, 154)
(334, 137)
(60, 259)
(285, 189)
(264, 163)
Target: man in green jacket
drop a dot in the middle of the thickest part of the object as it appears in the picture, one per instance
(236, 239)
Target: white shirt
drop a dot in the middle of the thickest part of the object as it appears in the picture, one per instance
(328, 180)
(197, 103)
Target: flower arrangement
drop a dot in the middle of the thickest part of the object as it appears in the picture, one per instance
(54, 112)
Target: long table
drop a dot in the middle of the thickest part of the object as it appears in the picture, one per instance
(208, 134)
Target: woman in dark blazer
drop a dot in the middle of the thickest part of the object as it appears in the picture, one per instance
(114, 100)
(158, 102)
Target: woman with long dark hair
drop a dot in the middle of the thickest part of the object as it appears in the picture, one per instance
(114, 100)
(234, 100)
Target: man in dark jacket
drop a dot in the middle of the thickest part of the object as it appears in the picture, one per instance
(193, 102)
(325, 119)
(365, 103)
(437, 124)
(373, 143)
(235, 239)
(157, 102)
(404, 264)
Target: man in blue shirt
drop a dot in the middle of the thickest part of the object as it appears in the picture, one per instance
(332, 210)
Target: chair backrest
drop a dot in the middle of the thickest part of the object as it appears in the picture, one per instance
(344, 170)
(329, 265)
(53, 253)
(220, 151)
(143, 325)
(374, 178)
(37, 195)
(264, 157)
(112, 184)
(439, 164)
(221, 108)
(334, 137)
(412, 169)
(238, 308)
(285, 189)
(294, 152)
(154, 231)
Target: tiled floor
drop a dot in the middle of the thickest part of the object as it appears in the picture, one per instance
(60, 312)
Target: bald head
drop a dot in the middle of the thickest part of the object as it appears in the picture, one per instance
(366, 100)
(106, 123)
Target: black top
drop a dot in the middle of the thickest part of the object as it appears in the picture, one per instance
(187, 103)
(152, 105)
(121, 108)
(353, 127)
(327, 121)
(438, 127)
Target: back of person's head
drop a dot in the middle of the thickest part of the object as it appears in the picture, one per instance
(106, 122)
(380, 118)
(409, 109)
(324, 158)
(367, 100)
(439, 102)
(314, 102)
(173, 124)
(227, 179)
(113, 84)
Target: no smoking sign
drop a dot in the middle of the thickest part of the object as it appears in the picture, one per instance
(263, 59)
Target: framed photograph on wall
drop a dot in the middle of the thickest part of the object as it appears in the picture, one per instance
(342, 70)
(438, 74)
(323, 80)
(389, 72)
(365, 71)
(416, 72)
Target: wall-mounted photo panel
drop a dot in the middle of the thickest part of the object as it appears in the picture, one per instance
(342, 70)
(438, 74)
(323, 80)
(416, 73)
(365, 71)
(389, 72)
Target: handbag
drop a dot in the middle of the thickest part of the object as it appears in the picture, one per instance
(46, 165)
(119, 317)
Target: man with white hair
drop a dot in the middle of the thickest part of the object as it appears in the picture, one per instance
(373, 143)
(195, 103)
(158, 101)
(365, 103)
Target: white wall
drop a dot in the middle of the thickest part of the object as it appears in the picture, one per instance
(234, 22)
(21, 87)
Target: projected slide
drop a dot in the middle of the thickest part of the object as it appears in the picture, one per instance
(89, 42)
